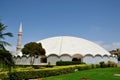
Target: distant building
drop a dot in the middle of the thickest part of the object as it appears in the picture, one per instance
(114, 52)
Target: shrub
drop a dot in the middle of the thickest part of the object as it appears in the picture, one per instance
(111, 64)
(47, 72)
(64, 63)
(93, 66)
(83, 67)
(35, 66)
(31, 74)
(49, 65)
(108, 64)
(102, 64)
(97, 65)
(3, 75)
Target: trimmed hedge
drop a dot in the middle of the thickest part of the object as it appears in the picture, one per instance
(3, 75)
(29, 73)
(38, 73)
(32, 74)
(64, 63)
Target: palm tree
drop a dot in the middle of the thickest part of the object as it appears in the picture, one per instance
(3, 35)
(5, 56)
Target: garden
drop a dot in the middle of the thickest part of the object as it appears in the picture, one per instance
(104, 71)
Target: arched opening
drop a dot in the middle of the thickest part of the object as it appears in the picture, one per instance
(77, 57)
(44, 59)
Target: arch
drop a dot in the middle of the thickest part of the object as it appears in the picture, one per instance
(98, 58)
(52, 59)
(77, 57)
(65, 57)
(89, 55)
(88, 59)
(105, 58)
(53, 55)
(105, 55)
(98, 55)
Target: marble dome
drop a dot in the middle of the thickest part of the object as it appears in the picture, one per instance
(71, 45)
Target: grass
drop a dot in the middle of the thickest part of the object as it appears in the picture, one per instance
(93, 74)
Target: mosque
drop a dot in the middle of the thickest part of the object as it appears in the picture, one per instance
(66, 48)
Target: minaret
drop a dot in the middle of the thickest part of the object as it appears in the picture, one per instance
(19, 41)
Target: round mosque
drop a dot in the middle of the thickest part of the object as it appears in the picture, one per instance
(67, 48)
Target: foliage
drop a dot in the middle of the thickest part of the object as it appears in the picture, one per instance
(102, 64)
(32, 74)
(111, 64)
(118, 57)
(3, 34)
(108, 64)
(49, 65)
(34, 50)
(6, 60)
(63, 63)
(3, 75)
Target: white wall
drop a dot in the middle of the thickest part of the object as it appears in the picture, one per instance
(65, 58)
(88, 59)
(52, 59)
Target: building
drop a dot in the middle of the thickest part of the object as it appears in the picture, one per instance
(67, 48)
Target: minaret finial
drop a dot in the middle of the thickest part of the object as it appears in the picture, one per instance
(20, 29)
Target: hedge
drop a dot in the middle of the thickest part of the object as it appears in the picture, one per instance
(47, 72)
(64, 63)
(32, 74)
(3, 75)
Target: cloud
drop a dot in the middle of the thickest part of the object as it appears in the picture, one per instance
(109, 47)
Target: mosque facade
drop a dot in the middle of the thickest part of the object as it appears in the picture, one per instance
(67, 48)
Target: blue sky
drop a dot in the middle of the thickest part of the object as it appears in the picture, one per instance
(95, 20)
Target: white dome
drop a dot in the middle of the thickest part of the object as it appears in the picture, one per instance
(71, 45)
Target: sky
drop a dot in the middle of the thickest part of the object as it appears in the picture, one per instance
(94, 20)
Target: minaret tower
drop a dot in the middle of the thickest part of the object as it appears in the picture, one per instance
(19, 41)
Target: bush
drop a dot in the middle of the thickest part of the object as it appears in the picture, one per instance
(32, 74)
(3, 75)
(49, 65)
(47, 72)
(35, 66)
(95, 65)
(83, 67)
(102, 64)
(64, 63)
(108, 64)
(111, 64)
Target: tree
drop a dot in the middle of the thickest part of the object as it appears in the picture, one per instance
(5, 56)
(6, 60)
(118, 57)
(34, 50)
(3, 34)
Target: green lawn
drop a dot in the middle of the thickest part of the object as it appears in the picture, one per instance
(93, 74)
